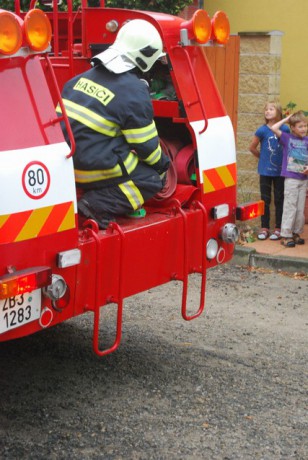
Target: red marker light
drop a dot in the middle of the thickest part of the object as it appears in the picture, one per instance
(249, 211)
(22, 281)
(46, 317)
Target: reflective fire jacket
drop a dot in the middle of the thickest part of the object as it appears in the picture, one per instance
(111, 116)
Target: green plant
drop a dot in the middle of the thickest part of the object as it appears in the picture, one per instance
(290, 108)
(247, 234)
(162, 6)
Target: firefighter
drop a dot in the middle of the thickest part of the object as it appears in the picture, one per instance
(118, 160)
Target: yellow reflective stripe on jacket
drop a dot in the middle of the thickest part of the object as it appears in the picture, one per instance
(132, 193)
(154, 157)
(86, 177)
(90, 119)
(131, 162)
(140, 135)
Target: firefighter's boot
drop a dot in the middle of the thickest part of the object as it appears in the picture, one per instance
(102, 220)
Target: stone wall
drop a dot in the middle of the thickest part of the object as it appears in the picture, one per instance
(259, 82)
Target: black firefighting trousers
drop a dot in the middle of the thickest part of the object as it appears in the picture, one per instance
(118, 199)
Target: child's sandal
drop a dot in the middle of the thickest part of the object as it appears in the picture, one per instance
(288, 243)
(275, 235)
(297, 239)
(263, 234)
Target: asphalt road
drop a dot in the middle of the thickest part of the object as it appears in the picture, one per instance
(230, 385)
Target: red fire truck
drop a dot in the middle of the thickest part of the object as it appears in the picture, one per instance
(54, 265)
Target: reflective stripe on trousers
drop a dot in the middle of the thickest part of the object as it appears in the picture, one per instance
(128, 196)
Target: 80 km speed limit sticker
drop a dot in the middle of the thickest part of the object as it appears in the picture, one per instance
(36, 180)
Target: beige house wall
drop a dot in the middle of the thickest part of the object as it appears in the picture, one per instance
(267, 70)
(288, 16)
(273, 43)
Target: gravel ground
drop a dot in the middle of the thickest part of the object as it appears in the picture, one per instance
(230, 385)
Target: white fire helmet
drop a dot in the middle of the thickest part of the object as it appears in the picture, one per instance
(138, 44)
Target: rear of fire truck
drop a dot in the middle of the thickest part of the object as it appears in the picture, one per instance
(54, 264)
(37, 188)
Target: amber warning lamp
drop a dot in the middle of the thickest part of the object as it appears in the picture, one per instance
(198, 28)
(37, 30)
(10, 33)
(220, 28)
(34, 32)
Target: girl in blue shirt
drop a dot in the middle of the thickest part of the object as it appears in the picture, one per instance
(265, 146)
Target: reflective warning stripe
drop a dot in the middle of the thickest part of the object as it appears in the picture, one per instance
(154, 157)
(140, 135)
(84, 177)
(39, 222)
(90, 119)
(132, 193)
(219, 178)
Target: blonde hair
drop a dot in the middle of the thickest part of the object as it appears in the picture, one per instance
(297, 117)
(277, 107)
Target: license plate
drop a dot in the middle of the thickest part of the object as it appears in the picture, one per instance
(19, 310)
